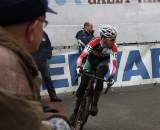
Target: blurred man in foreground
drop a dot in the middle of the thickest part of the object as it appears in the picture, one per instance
(21, 30)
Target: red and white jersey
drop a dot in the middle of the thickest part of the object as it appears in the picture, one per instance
(96, 51)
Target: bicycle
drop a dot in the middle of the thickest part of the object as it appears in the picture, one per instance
(86, 102)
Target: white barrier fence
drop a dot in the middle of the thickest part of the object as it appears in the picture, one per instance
(139, 64)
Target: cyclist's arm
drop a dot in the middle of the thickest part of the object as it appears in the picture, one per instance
(113, 60)
(87, 50)
(81, 57)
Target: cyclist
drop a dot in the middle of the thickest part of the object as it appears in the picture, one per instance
(101, 55)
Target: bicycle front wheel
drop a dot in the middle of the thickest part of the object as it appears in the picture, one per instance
(79, 121)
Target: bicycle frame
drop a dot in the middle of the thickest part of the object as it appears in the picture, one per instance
(86, 102)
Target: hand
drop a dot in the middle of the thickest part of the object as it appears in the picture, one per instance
(110, 81)
(79, 70)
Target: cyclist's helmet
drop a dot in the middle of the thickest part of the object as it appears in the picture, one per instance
(107, 31)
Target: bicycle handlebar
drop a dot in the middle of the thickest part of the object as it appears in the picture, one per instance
(95, 77)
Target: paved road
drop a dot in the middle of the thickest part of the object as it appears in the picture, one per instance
(131, 108)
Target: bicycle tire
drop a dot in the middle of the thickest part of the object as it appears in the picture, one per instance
(84, 115)
(86, 109)
(79, 122)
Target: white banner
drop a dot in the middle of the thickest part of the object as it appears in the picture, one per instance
(135, 20)
(136, 65)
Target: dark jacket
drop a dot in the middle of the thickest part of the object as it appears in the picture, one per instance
(45, 50)
(85, 37)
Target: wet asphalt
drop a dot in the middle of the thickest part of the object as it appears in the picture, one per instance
(129, 108)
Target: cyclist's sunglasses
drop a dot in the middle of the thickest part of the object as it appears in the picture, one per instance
(108, 39)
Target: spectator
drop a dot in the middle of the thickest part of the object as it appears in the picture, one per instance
(84, 36)
(21, 30)
(41, 57)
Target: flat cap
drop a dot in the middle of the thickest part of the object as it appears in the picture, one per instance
(20, 11)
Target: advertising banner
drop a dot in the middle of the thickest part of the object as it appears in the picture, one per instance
(135, 20)
(136, 65)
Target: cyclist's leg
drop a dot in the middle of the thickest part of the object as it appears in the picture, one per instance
(102, 70)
